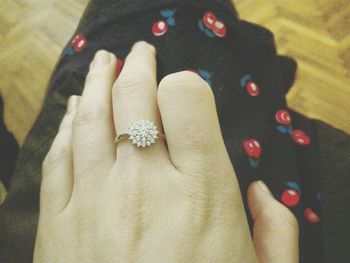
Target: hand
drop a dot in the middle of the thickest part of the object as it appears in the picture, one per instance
(176, 201)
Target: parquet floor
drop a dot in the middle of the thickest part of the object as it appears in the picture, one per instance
(315, 32)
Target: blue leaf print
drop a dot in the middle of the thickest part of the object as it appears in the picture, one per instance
(167, 13)
(253, 162)
(204, 74)
(290, 130)
(201, 25)
(245, 79)
(282, 129)
(318, 197)
(209, 33)
(69, 51)
(294, 186)
(171, 21)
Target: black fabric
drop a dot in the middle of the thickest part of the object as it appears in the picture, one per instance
(9, 149)
(335, 184)
(246, 49)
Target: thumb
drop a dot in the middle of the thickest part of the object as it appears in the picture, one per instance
(275, 232)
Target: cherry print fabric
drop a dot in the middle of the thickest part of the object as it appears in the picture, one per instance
(265, 140)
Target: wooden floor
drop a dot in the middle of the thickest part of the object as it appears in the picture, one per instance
(315, 32)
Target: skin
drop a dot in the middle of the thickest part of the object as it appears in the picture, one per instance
(176, 201)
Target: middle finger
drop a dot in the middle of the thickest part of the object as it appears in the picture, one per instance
(93, 131)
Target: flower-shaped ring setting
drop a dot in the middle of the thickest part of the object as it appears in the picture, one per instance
(142, 133)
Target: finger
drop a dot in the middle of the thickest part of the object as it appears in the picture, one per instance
(275, 234)
(57, 172)
(135, 98)
(190, 121)
(93, 129)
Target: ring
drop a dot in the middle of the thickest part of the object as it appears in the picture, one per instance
(143, 133)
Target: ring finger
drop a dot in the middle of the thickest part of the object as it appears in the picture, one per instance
(135, 98)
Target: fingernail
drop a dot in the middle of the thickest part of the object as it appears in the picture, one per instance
(262, 186)
(142, 45)
(72, 104)
(102, 57)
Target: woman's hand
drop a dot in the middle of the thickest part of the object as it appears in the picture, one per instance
(172, 202)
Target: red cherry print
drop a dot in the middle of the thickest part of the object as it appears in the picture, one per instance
(159, 28)
(209, 19)
(120, 64)
(79, 43)
(300, 137)
(310, 216)
(283, 117)
(219, 28)
(252, 88)
(290, 197)
(252, 148)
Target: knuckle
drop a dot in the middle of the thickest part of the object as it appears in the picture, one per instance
(127, 84)
(189, 86)
(133, 183)
(289, 219)
(205, 153)
(280, 216)
(55, 155)
(95, 75)
(90, 115)
(91, 76)
(199, 139)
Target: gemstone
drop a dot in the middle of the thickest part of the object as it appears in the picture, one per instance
(143, 133)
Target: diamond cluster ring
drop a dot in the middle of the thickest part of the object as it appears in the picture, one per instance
(143, 133)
